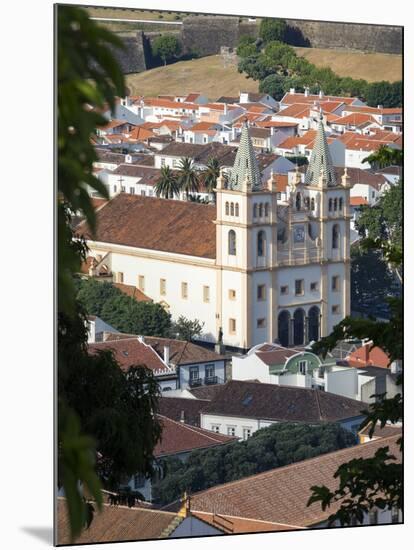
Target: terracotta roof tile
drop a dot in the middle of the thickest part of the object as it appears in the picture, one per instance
(115, 524)
(179, 408)
(281, 495)
(367, 355)
(133, 291)
(131, 352)
(178, 437)
(235, 525)
(281, 403)
(358, 201)
(175, 226)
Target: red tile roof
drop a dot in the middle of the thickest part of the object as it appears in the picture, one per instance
(133, 291)
(131, 352)
(358, 201)
(275, 124)
(289, 98)
(367, 355)
(281, 495)
(235, 525)
(178, 437)
(373, 110)
(179, 227)
(297, 110)
(355, 119)
(115, 524)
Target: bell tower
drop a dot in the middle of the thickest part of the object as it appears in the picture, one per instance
(331, 214)
(246, 240)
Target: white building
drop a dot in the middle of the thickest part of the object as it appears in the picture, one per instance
(251, 269)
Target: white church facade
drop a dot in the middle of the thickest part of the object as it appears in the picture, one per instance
(251, 267)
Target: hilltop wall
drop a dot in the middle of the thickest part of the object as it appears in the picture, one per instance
(205, 36)
(347, 36)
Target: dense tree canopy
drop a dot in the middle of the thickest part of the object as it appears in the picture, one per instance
(278, 58)
(273, 85)
(186, 329)
(272, 29)
(121, 311)
(167, 47)
(268, 448)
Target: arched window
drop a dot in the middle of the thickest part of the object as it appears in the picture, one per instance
(255, 211)
(232, 209)
(260, 210)
(335, 236)
(261, 244)
(312, 203)
(313, 324)
(335, 204)
(227, 208)
(340, 203)
(298, 327)
(266, 209)
(283, 328)
(298, 201)
(232, 243)
(330, 205)
(237, 209)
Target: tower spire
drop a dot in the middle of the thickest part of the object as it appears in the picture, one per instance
(320, 163)
(245, 166)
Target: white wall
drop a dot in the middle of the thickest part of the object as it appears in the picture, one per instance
(342, 382)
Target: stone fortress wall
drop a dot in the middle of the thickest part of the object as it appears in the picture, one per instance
(205, 36)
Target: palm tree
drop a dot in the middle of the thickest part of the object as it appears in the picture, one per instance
(167, 186)
(188, 180)
(210, 175)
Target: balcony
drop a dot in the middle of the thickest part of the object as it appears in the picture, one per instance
(209, 380)
(195, 382)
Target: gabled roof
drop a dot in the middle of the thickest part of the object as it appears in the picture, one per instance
(281, 403)
(225, 154)
(131, 352)
(182, 408)
(177, 437)
(290, 98)
(358, 201)
(280, 495)
(234, 525)
(178, 227)
(297, 110)
(132, 291)
(115, 524)
(368, 355)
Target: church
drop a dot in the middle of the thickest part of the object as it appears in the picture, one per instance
(251, 267)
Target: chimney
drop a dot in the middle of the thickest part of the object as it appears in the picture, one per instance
(128, 159)
(141, 339)
(320, 94)
(167, 355)
(182, 417)
(292, 90)
(366, 349)
(306, 91)
(380, 106)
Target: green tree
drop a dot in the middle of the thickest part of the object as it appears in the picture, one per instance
(273, 85)
(210, 174)
(186, 329)
(188, 179)
(105, 399)
(268, 448)
(272, 29)
(384, 93)
(256, 67)
(385, 156)
(280, 56)
(167, 47)
(167, 185)
(88, 79)
(376, 482)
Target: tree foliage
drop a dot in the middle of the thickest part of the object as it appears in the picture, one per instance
(123, 312)
(167, 47)
(268, 448)
(272, 29)
(188, 177)
(186, 329)
(167, 186)
(376, 482)
(278, 58)
(273, 85)
(88, 79)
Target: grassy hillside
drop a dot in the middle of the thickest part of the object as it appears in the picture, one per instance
(208, 74)
(369, 66)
